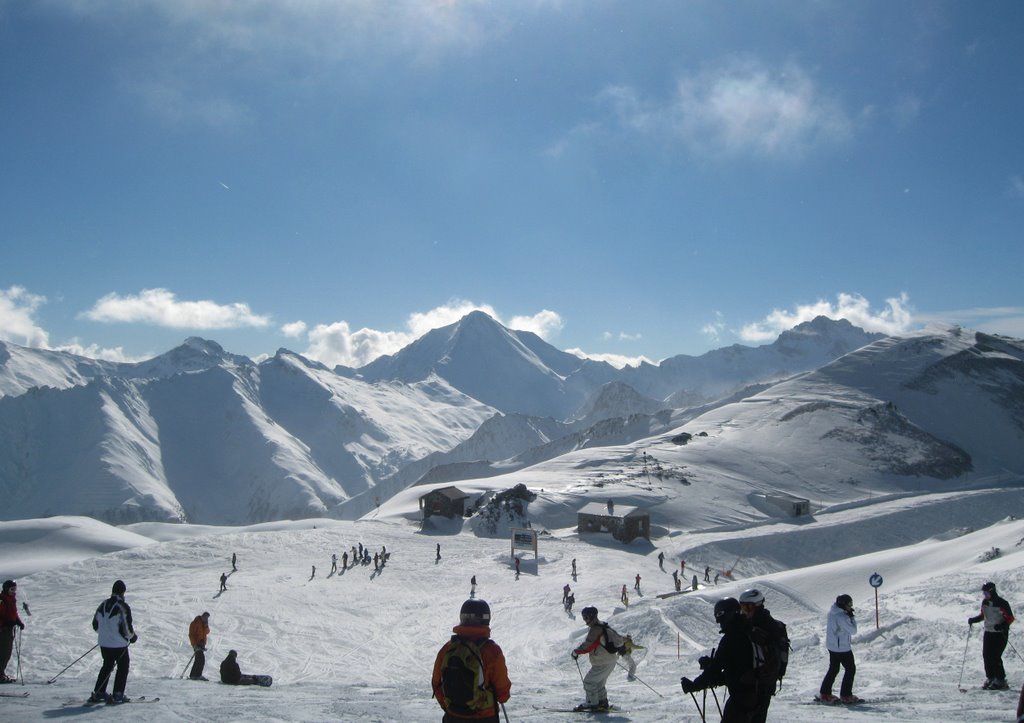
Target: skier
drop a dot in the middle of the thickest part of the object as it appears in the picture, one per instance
(679, 583)
(113, 625)
(574, 568)
(565, 593)
(223, 581)
(636, 585)
(730, 665)
(517, 568)
(840, 628)
(9, 620)
(472, 586)
(569, 602)
(602, 663)
(334, 563)
(682, 567)
(344, 561)
(997, 617)
(234, 559)
(752, 605)
(438, 558)
(707, 573)
(231, 674)
(661, 560)
(197, 633)
(627, 657)
(624, 596)
(716, 578)
(471, 651)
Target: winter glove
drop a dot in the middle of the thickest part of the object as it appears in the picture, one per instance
(688, 686)
(704, 662)
(20, 624)
(970, 622)
(998, 627)
(133, 638)
(575, 655)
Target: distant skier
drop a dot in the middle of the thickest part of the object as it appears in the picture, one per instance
(694, 583)
(197, 634)
(10, 622)
(661, 560)
(334, 563)
(679, 584)
(376, 562)
(624, 597)
(716, 578)
(234, 568)
(997, 617)
(707, 573)
(113, 625)
(344, 561)
(730, 664)
(602, 661)
(627, 656)
(636, 586)
(565, 592)
(231, 674)
(438, 558)
(840, 628)
(470, 678)
(313, 574)
(517, 568)
(574, 568)
(223, 581)
(682, 567)
(569, 602)
(360, 549)
(472, 586)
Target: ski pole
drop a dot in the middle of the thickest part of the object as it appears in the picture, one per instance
(699, 711)
(715, 696)
(503, 710)
(960, 683)
(75, 661)
(186, 665)
(637, 677)
(580, 671)
(1014, 649)
(17, 646)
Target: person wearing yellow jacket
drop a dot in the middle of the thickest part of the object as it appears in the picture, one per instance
(197, 633)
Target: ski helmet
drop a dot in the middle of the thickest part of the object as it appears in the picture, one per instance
(726, 610)
(589, 613)
(752, 596)
(844, 600)
(989, 587)
(475, 612)
(118, 588)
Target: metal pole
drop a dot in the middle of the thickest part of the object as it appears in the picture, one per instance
(186, 666)
(699, 711)
(959, 685)
(76, 660)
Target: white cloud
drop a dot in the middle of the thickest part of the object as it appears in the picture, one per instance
(616, 360)
(739, 107)
(334, 344)
(294, 329)
(1005, 320)
(713, 329)
(894, 318)
(161, 307)
(94, 351)
(17, 318)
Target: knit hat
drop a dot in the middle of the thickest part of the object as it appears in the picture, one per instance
(118, 588)
(8, 584)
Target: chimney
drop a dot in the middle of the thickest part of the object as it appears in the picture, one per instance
(611, 507)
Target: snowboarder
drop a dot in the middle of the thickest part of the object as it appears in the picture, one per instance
(840, 628)
(729, 665)
(334, 563)
(661, 560)
(113, 625)
(997, 617)
(602, 662)
(234, 568)
(624, 596)
(197, 633)
(9, 623)
(707, 573)
(752, 606)
(223, 581)
(636, 585)
(231, 674)
(470, 656)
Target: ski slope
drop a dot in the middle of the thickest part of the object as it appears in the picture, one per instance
(360, 646)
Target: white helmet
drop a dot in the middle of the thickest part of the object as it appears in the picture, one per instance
(752, 596)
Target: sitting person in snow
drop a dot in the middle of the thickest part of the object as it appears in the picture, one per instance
(231, 674)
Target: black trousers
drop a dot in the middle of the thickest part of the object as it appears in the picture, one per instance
(198, 665)
(992, 647)
(849, 670)
(112, 657)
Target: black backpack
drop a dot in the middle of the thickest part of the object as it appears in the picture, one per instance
(613, 642)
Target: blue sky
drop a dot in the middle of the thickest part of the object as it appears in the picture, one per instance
(628, 179)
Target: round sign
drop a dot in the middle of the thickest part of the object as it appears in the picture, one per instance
(875, 580)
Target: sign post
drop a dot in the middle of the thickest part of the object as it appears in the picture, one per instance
(875, 581)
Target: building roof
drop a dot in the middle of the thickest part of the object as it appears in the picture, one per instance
(600, 509)
(452, 493)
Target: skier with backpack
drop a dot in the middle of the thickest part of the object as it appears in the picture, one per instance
(470, 679)
(731, 665)
(773, 637)
(997, 617)
(602, 644)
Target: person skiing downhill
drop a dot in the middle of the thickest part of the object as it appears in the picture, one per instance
(997, 617)
(731, 664)
(840, 628)
(197, 633)
(9, 624)
(752, 606)
(602, 662)
(113, 625)
(223, 581)
(472, 634)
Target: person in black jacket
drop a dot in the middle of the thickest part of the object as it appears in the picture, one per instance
(997, 616)
(731, 665)
(231, 674)
(761, 620)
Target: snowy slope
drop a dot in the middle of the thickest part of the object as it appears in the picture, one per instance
(359, 646)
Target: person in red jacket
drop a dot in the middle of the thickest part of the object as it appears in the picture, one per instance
(9, 622)
(461, 663)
